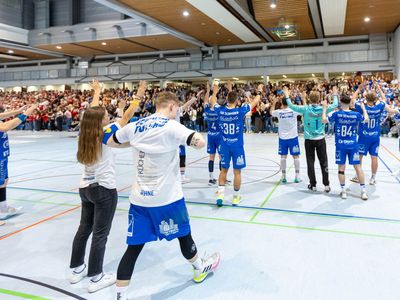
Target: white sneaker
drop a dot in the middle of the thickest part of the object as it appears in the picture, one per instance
(364, 196)
(9, 212)
(343, 195)
(210, 264)
(105, 281)
(327, 189)
(75, 277)
(372, 181)
(2, 223)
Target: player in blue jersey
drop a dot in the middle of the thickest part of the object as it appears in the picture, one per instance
(346, 124)
(7, 211)
(369, 133)
(213, 134)
(231, 119)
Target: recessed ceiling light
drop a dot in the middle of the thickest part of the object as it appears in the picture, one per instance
(217, 33)
(58, 47)
(343, 74)
(235, 78)
(262, 76)
(229, 40)
(284, 76)
(287, 26)
(203, 24)
(10, 51)
(313, 75)
(273, 4)
(185, 13)
(367, 19)
(104, 43)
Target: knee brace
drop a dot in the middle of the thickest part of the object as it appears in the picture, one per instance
(341, 172)
(3, 194)
(182, 161)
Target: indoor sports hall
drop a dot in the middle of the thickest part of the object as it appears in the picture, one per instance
(118, 125)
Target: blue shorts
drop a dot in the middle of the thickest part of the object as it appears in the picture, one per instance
(232, 152)
(213, 142)
(182, 150)
(352, 154)
(370, 146)
(290, 144)
(147, 224)
(3, 170)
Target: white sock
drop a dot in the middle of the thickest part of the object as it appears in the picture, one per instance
(362, 186)
(198, 263)
(297, 167)
(221, 190)
(235, 193)
(373, 176)
(283, 167)
(343, 187)
(183, 174)
(211, 175)
(121, 292)
(79, 269)
(97, 277)
(3, 205)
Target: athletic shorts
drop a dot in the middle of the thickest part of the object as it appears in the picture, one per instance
(370, 146)
(3, 170)
(234, 153)
(290, 144)
(352, 154)
(182, 150)
(147, 224)
(213, 142)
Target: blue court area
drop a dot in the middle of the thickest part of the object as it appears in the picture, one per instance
(281, 242)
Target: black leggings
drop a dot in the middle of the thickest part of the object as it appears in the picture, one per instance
(128, 260)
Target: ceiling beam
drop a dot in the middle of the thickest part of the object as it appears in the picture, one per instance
(316, 18)
(122, 8)
(249, 19)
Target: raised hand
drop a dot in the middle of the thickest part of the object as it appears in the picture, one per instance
(95, 85)
(142, 88)
(216, 89)
(22, 109)
(260, 88)
(31, 109)
(122, 104)
(334, 90)
(286, 91)
(324, 103)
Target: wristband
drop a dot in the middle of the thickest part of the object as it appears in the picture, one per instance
(135, 102)
(22, 117)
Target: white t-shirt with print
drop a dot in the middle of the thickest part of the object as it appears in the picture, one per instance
(287, 128)
(155, 141)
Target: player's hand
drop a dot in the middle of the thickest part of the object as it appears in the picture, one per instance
(229, 85)
(366, 120)
(324, 103)
(334, 90)
(207, 87)
(216, 88)
(260, 88)
(286, 91)
(142, 88)
(121, 105)
(95, 85)
(31, 109)
(22, 109)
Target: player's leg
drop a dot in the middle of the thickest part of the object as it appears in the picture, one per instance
(225, 162)
(182, 164)
(211, 150)
(342, 180)
(283, 151)
(239, 162)
(295, 152)
(309, 145)
(323, 162)
(354, 159)
(374, 162)
(6, 211)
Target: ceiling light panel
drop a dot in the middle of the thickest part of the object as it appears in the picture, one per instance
(333, 15)
(219, 14)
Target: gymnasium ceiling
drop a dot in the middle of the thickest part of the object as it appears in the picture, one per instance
(226, 22)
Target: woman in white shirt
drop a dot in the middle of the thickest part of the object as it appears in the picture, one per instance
(97, 190)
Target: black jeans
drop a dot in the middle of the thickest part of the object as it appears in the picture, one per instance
(318, 146)
(98, 208)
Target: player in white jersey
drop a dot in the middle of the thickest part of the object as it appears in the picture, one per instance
(98, 191)
(288, 135)
(158, 209)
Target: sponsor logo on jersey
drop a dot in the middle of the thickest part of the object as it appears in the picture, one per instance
(147, 193)
(356, 156)
(296, 149)
(168, 228)
(240, 160)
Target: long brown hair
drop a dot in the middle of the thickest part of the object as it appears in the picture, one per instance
(90, 136)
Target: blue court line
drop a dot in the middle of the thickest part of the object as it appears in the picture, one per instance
(239, 207)
(388, 167)
(38, 171)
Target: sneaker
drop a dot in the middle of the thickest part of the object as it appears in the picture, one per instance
(228, 182)
(185, 180)
(354, 179)
(75, 277)
(297, 180)
(327, 189)
(364, 196)
(209, 265)
(9, 212)
(283, 180)
(220, 200)
(312, 188)
(236, 200)
(105, 281)
(2, 223)
(212, 182)
(372, 181)
(343, 195)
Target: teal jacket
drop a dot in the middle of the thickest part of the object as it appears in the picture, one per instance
(312, 117)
